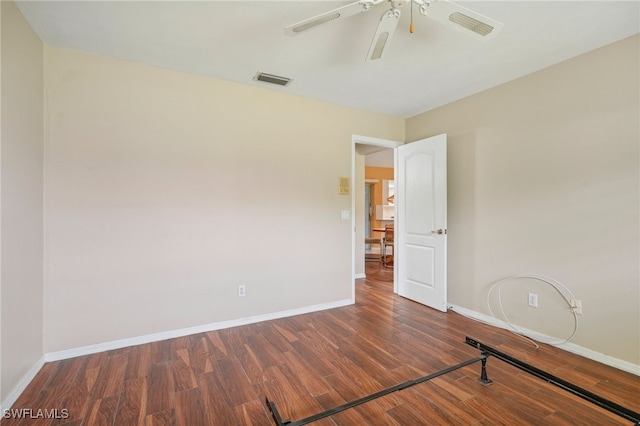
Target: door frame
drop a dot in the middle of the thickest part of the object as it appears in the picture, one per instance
(368, 187)
(385, 143)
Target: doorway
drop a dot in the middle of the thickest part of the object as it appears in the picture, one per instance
(379, 174)
(380, 152)
(419, 216)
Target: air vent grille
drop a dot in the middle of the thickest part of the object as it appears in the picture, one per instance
(470, 23)
(273, 79)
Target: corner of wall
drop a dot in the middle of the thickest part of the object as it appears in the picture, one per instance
(21, 208)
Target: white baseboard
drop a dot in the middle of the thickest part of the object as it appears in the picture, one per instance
(155, 337)
(569, 347)
(8, 402)
(10, 399)
(359, 276)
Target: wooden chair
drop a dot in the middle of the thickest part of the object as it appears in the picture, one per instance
(388, 241)
(371, 256)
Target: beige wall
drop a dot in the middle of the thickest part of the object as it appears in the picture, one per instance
(21, 141)
(165, 191)
(543, 178)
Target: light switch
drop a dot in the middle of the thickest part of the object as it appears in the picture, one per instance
(344, 214)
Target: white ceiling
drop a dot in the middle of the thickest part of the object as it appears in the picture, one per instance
(233, 40)
(381, 158)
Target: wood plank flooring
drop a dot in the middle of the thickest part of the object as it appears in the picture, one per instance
(313, 362)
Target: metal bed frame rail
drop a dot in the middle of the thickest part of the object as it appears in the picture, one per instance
(485, 353)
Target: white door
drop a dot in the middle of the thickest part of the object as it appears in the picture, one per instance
(421, 221)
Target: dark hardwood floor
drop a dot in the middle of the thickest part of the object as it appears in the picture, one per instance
(313, 362)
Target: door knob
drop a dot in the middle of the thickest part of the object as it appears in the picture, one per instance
(439, 231)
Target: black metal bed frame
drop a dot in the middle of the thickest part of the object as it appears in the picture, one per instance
(485, 353)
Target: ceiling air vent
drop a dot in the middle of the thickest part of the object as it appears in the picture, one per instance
(273, 79)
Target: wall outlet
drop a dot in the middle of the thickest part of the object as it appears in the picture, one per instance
(533, 300)
(241, 290)
(576, 306)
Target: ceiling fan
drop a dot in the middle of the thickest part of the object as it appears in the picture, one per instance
(444, 11)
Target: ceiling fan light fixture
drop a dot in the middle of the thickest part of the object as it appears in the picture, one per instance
(311, 24)
(273, 79)
(471, 24)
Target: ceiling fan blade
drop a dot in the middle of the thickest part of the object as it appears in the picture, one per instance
(385, 30)
(463, 19)
(332, 15)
